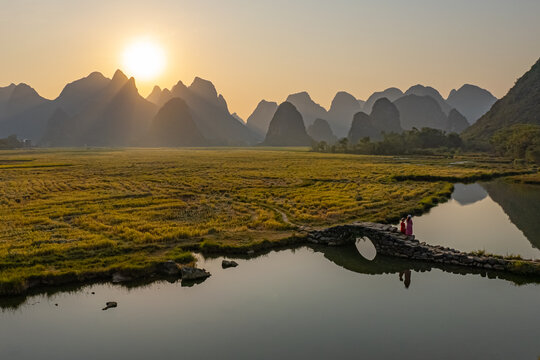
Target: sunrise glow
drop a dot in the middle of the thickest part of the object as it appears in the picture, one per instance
(144, 59)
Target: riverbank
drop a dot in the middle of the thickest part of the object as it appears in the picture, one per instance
(284, 292)
(386, 239)
(531, 179)
(130, 210)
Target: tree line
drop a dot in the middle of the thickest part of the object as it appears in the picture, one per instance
(519, 142)
(423, 141)
(11, 142)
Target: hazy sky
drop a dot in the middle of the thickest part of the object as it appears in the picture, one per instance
(267, 49)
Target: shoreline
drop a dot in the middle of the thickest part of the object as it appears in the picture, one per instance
(522, 268)
(209, 247)
(14, 300)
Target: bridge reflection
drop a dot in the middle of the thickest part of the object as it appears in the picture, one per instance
(348, 258)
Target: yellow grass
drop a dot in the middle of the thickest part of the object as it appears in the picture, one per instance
(79, 211)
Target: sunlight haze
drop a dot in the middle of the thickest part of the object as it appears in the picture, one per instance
(269, 49)
(144, 59)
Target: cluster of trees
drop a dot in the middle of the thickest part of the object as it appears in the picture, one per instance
(520, 141)
(11, 142)
(424, 141)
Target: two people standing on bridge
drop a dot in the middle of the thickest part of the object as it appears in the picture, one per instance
(407, 225)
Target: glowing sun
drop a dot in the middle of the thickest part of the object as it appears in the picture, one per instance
(143, 59)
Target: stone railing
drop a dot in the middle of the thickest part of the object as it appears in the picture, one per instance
(390, 242)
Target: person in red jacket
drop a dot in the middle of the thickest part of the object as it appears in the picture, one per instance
(402, 228)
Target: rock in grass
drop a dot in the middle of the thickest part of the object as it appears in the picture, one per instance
(118, 278)
(110, 304)
(170, 268)
(228, 263)
(192, 273)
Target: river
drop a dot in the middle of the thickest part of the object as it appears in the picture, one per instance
(315, 303)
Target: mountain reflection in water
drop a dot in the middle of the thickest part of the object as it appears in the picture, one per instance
(522, 205)
(498, 217)
(468, 194)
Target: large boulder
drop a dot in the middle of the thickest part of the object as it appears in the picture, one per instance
(189, 273)
(169, 268)
(287, 128)
(228, 263)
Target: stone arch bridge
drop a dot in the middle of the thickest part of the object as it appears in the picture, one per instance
(390, 242)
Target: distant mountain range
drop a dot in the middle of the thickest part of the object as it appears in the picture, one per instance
(98, 111)
(419, 106)
(209, 111)
(384, 117)
(94, 112)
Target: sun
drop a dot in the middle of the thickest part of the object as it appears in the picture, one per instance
(144, 59)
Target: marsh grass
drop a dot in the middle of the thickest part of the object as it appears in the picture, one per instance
(531, 179)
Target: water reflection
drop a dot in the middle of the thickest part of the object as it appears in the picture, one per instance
(468, 194)
(522, 205)
(366, 248)
(287, 305)
(407, 275)
(497, 217)
(348, 258)
(345, 257)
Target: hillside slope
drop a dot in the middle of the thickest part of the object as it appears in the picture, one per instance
(521, 105)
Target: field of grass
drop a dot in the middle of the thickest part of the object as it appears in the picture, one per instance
(83, 213)
(533, 179)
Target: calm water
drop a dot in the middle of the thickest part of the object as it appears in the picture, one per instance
(315, 303)
(497, 217)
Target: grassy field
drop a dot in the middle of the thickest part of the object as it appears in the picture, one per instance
(533, 179)
(81, 213)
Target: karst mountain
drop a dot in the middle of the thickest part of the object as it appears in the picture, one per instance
(98, 111)
(287, 128)
(521, 105)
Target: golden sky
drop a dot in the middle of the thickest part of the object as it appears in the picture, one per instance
(252, 50)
